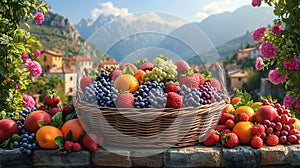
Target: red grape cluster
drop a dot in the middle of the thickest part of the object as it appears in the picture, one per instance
(282, 126)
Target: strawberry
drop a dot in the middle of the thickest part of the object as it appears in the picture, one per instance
(43, 108)
(115, 74)
(54, 110)
(225, 116)
(257, 142)
(215, 83)
(201, 78)
(272, 140)
(90, 141)
(52, 99)
(190, 80)
(244, 117)
(146, 66)
(258, 129)
(230, 140)
(123, 66)
(170, 87)
(220, 127)
(211, 138)
(67, 109)
(229, 123)
(182, 66)
(68, 145)
(77, 147)
(125, 100)
(84, 82)
(174, 100)
(223, 133)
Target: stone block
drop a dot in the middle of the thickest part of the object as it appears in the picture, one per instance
(196, 156)
(14, 158)
(111, 158)
(240, 156)
(148, 158)
(293, 155)
(273, 155)
(55, 158)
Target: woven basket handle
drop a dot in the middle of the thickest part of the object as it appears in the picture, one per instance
(221, 73)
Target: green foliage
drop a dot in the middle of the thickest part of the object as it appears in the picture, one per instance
(246, 99)
(13, 42)
(288, 16)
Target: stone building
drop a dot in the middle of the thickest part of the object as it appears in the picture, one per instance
(237, 78)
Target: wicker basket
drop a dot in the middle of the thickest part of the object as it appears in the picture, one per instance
(170, 128)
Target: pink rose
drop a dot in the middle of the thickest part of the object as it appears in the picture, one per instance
(34, 67)
(39, 18)
(259, 63)
(258, 33)
(267, 50)
(277, 78)
(288, 101)
(37, 53)
(18, 87)
(256, 3)
(28, 101)
(296, 104)
(24, 57)
(8, 79)
(294, 65)
(277, 29)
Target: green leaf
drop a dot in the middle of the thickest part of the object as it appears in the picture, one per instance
(128, 70)
(41, 123)
(93, 74)
(138, 63)
(207, 75)
(71, 116)
(165, 58)
(59, 140)
(6, 143)
(57, 120)
(16, 137)
(70, 136)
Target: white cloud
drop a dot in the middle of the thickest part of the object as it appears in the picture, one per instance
(213, 8)
(106, 9)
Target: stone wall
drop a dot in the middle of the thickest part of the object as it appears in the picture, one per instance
(196, 156)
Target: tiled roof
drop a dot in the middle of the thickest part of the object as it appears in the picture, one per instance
(79, 58)
(237, 73)
(60, 70)
(55, 53)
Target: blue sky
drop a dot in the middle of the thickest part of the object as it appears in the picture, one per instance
(190, 10)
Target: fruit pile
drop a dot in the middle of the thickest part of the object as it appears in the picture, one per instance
(248, 123)
(50, 126)
(161, 84)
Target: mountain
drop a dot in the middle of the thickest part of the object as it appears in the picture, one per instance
(229, 25)
(58, 33)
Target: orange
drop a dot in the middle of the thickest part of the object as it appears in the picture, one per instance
(235, 100)
(297, 124)
(46, 135)
(126, 82)
(243, 130)
(228, 108)
(76, 128)
(139, 74)
(245, 109)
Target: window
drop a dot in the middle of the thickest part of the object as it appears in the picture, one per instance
(71, 78)
(240, 79)
(45, 58)
(70, 89)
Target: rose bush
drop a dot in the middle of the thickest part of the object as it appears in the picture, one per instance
(17, 51)
(280, 47)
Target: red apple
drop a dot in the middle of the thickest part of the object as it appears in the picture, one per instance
(32, 120)
(266, 112)
(7, 129)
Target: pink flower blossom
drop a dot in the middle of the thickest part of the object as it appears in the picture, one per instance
(28, 101)
(259, 63)
(4, 12)
(277, 78)
(37, 53)
(34, 67)
(294, 65)
(24, 57)
(39, 18)
(288, 101)
(258, 33)
(297, 104)
(256, 3)
(277, 29)
(18, 87)
(8, 79)
(267, 50)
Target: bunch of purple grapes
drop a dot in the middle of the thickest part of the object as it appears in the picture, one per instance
(282, 126)
(209, 93)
